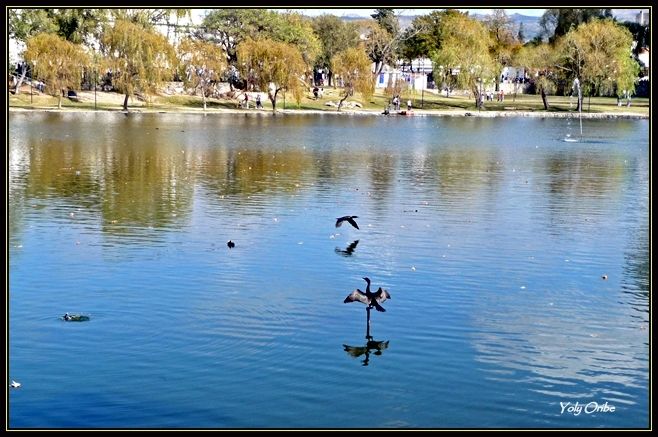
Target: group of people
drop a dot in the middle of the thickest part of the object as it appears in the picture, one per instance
(396, 103)
(500, 95)
(506, 79)
(245, 102)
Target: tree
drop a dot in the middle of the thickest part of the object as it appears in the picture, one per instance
(557, 22)
(296, 29)
(540, 62)
(25, 23)
(383, 38)
(387, 20)
(335, 36)
(203, 63)
(464, 53)
(353, 66)
(75, 25)
(380, 46)
(599, 54)
(140, 59)
(178, 14)
(505, 44)
(229, 27)
(80, 25)
(59, 63)
(273, 66)
(423, 36)
(149, 17)
(627, 78)
(520, 36)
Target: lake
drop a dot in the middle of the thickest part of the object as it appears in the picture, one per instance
(515, 251)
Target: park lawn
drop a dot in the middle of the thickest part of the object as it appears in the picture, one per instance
(426, 100)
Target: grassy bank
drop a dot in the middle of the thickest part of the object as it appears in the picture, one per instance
(423, 102)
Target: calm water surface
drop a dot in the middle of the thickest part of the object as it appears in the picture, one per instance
(491, 235)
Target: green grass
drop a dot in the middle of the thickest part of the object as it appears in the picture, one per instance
(422, 101)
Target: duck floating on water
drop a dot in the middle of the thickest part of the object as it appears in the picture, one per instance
(349, 219)
(230, 244)
(75, 318)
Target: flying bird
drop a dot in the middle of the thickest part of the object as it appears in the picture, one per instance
(369, 298)
(349, 219)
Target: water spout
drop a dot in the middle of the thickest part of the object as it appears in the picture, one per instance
(576, 88)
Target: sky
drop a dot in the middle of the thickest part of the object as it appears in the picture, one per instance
(367, 12)
(535, 12)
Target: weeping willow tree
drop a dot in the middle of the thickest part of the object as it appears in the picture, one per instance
(540, 62)
(272, 66)
(57, 62)
(465, 53)
(598, 54)
(203, 63)
(140, 59)
(353, 66)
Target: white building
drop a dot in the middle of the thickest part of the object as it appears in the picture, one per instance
(417, 81)
(415, 75)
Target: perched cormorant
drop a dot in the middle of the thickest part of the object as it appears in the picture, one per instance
(230, 244)
(369, 298)
(349, 219)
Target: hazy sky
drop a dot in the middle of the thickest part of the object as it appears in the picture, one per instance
(367, 12)
(199, 13)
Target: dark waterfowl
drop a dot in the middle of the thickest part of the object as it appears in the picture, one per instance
(230, 244)
(74, 317)
(349, 250)
(369, 298)
(349, 219)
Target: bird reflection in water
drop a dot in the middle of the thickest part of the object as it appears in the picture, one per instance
(349, 250)
(372, 346)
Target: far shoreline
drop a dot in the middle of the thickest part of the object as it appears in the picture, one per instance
(417, 113)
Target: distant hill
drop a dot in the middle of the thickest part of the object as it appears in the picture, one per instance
(626, 14)
(531, 27)
(530, 24)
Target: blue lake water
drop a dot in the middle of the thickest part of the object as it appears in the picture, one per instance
(517, 264)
